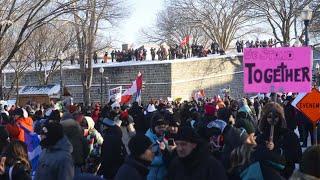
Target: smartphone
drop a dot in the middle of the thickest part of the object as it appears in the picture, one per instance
(170, 142)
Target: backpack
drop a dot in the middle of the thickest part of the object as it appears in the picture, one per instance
(252, 172)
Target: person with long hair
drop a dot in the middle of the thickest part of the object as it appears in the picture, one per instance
(276, 144)
(14, 162)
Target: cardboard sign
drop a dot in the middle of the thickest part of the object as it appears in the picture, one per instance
(277, 69)
(115, 93)
(310, 105)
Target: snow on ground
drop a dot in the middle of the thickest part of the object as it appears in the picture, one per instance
(67, 65)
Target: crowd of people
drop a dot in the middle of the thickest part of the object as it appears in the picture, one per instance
(255, 44)
(218, 138)
(162, 53)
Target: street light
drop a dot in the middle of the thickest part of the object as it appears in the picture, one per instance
(101, 70)
(306, 15)
(61, 58)
(317, 74)
(106, 87)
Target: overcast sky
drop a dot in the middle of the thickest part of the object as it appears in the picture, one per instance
(143, 14)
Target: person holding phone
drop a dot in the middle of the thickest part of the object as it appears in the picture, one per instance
(156, 134)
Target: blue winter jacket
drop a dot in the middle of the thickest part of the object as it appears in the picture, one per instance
(157, 169)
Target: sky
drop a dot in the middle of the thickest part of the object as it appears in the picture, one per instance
(143, 14)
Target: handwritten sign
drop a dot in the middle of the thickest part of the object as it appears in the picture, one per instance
(277, 69)
(115, 93)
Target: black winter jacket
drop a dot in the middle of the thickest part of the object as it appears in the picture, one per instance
(132, 170)
(198, 165)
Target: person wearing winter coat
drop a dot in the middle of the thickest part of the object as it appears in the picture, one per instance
(139, 119)
(309, 168)
(4, 138)
(282, 147)
(14, 163)
(156, 134)
(74, 133)
(223, 139)
(90, 133)
(113, 151)
(194, 160)
(16, 127)
(94, 142)
(290, 114)
(136, 164)
(55, 161)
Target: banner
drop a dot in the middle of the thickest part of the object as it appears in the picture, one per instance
(277, 69)
(115, 93)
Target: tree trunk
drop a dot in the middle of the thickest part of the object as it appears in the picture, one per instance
(86, 96)
(1, 85)
(17, 89)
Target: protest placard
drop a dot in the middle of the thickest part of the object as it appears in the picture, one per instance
(277, 69)
(115, 93)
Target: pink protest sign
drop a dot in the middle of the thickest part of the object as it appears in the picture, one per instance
(277, 69)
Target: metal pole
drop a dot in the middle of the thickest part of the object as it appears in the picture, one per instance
(315, 134)
(61, 83)
(306, 35)
(101, 91)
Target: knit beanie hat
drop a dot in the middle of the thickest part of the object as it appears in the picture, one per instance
(157, 120)
(138, 144)
(53, 132)
(188, 134)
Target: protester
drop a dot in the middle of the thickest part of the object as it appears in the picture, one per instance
(15, 164)
(75, 134)
(113, 151)
(94, 140)
(309, 166)
(55, 161)
(4, 138)
(156, 134)
(282, 147)
(194, 160)
(19, 123)
(137, 163)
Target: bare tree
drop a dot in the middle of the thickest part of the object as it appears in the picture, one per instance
(281, 16)
(45, 45)
(20, 18)
(171, 29)
(315, 28)
(21, 62)
(86, 25)
(221, 20)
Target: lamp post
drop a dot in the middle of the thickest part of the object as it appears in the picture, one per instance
(61, 57)
(106, 87)
(101, 70)
(306, 15)
(317, 75)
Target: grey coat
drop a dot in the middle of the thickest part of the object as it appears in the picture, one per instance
(55, 163)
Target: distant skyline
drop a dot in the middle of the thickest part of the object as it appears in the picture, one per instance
(143, 14)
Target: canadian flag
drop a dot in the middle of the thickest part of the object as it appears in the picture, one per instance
(135, 88)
